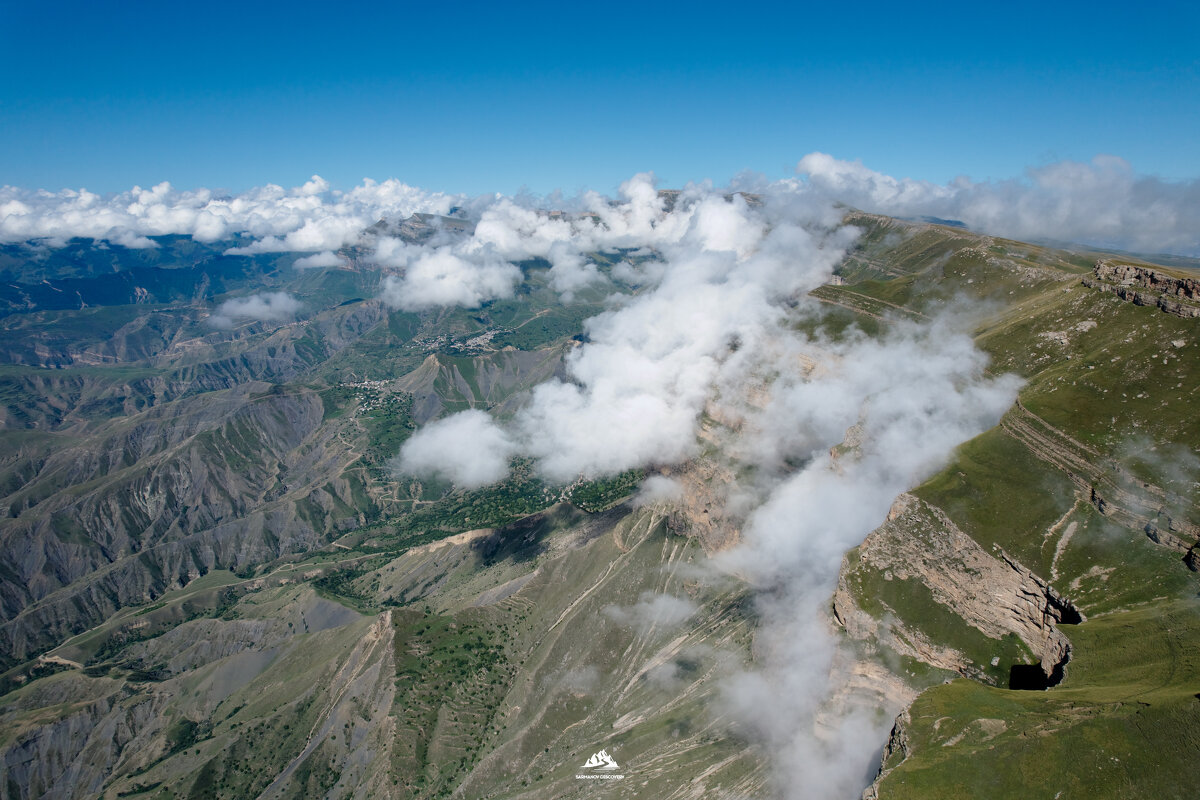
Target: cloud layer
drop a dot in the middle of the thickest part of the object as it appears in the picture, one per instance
(308, 218)
(1102, 202)
(711, 351)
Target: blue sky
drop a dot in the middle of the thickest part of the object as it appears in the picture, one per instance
(491, 97)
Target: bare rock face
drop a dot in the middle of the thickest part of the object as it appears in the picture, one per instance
(1192, 559)
(73, 756)
(895, 751)
(1127, 274)
(1170, 294)
(993, 593)
(701, 510)
(422, 228)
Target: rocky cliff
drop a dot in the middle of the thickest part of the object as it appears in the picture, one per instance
(991, 592)
(1174, 295)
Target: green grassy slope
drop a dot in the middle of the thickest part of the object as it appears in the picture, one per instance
(1098, 449)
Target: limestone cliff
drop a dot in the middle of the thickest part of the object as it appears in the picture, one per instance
(991, 592)
(1173, 295)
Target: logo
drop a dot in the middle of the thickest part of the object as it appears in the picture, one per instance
(603, 767)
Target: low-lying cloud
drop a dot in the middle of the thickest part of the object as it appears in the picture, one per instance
(1102, 202)
(658, 489)
(324, 259)
(308, 218)
(466, 448)
(260, 307)
(652, 610)
(444, 278)
(637, 389)
(712, 350)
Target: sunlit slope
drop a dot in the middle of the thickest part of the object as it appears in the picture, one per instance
(214, 585)
(1088, 484)
(583, 661)
(1123, 724)
(519, 653)
(127, 472)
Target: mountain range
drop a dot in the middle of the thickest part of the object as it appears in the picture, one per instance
(218, 578)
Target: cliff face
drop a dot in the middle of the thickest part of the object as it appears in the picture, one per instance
(1173, 295)
(894, 752)
(1155, 280)
(990, 592)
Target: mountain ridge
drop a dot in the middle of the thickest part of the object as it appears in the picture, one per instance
(273, 527)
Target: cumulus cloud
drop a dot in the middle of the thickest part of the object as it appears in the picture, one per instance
(309, 218)
(468, 448)
(713, 334)
(443, 278)
(636, 391)
(326, 258)
(391, 251)
(1102, 202)
(262, 306)
(570, 272)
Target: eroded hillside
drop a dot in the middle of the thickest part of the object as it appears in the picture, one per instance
(215, 584)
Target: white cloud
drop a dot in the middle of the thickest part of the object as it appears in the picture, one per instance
(262, 306)
(1102, 202)
(658, 489)
(467, 448)
(309, 218)
(570, 272)
(442, 278)
(391, 251)
(326, 258)
(653, 610)
(637, 389)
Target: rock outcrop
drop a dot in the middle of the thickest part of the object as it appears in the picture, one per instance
(1178, 296)
(895, 751)
(995, 594)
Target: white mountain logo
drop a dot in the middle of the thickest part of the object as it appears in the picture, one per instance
(601, 760)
